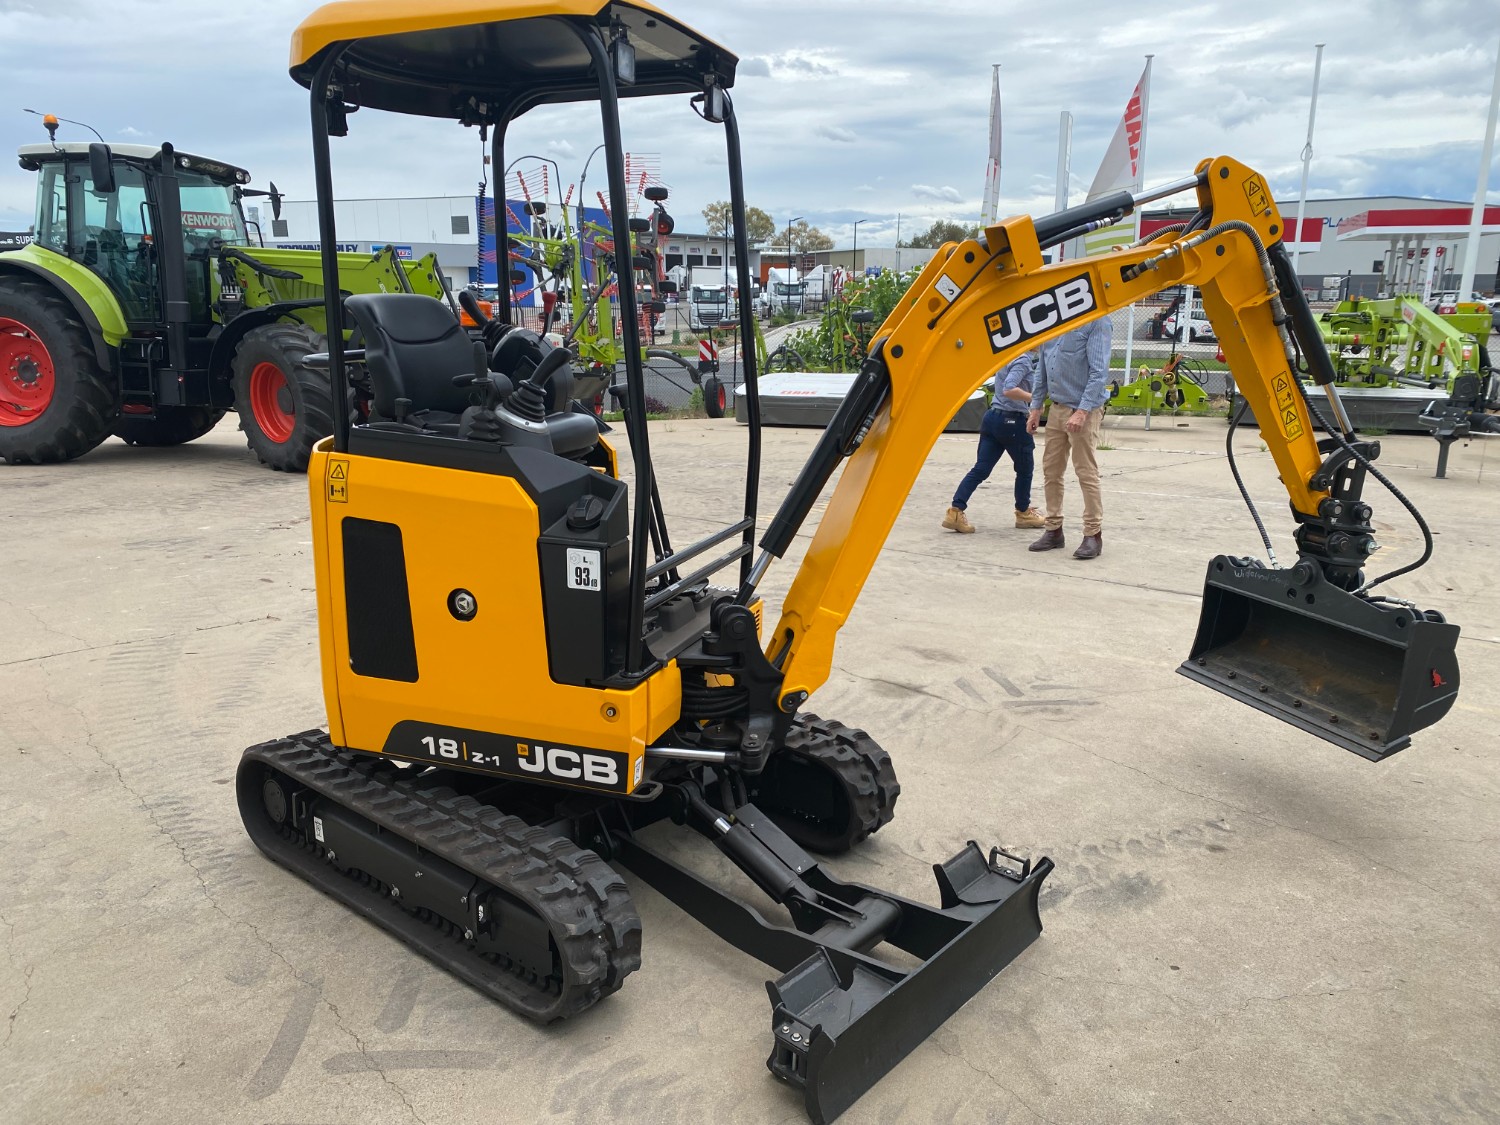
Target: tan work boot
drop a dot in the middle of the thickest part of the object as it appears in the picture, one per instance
(1029, 518)
(955, 520)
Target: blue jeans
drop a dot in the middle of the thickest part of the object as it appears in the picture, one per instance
(1001, 432)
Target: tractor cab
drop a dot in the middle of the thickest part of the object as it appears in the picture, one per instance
(108, 208)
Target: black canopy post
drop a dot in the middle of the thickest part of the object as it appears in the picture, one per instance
(333, 304)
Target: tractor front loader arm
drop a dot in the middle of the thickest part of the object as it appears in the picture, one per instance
(980, 303)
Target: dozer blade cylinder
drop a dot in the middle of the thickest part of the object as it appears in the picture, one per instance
(1362, 675)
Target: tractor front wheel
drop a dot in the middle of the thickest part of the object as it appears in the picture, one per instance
(56, 403)
(285, 406)
(173, 425)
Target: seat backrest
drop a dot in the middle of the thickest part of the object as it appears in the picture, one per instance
(414, 347)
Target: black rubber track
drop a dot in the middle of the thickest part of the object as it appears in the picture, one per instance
(82, 411)
(595, 929)
(287, 345)
(173, 425)
(829, 787)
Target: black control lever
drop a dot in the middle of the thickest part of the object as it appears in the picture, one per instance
(471, 306)
(529, 400)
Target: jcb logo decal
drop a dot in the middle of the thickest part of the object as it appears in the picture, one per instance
(570, 765)
(1020, 322)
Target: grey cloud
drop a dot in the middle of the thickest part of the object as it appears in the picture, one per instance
(836, 133)
(914, 93)
(943, 194)
(804, 65)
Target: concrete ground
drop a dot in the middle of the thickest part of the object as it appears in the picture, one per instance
(1246, 924)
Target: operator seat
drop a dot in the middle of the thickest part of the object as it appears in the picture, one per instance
(414, 348)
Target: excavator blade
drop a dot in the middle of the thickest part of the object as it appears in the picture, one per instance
(840, 1024)
(1363, 675)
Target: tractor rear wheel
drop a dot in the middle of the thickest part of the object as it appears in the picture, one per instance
(285, 406)
(173, 425)
(715, 399)
(56, 402)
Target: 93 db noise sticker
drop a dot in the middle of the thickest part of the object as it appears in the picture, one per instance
(583, 569)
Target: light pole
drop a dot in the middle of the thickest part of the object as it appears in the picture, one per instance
(854, 254)
(789, 223)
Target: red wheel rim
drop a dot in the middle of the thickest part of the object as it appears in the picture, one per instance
(271, 402)
(723, 397)
(27, 380)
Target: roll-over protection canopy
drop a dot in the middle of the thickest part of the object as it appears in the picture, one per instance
(481, 60)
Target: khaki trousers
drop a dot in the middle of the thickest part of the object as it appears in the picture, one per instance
(1085, 466)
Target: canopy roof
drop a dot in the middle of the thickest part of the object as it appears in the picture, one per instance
(1414, 222)
(33, 156)
(476, 60)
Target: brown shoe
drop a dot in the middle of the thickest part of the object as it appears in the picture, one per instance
(955, 520)
(1051, 540)
(1029, 518)
(1090, 547)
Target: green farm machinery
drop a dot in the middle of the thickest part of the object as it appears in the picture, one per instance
(1176, 385)
(141, 309)
(1398, 344)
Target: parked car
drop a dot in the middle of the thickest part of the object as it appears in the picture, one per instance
(1186, 328)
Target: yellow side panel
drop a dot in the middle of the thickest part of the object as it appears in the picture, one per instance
(475, 532)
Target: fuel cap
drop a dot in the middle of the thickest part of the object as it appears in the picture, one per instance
(586, 513)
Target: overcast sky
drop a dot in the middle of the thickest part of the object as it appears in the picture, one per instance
(849, 109)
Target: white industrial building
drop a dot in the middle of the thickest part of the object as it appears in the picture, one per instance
(1353, 245)
(1357, 240)
(447, 226)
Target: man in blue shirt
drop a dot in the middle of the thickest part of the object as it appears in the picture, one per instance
(1074, 374)
(1001, 431)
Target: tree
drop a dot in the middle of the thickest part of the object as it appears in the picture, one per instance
(717, 217)
(941, 231)
(806, 238)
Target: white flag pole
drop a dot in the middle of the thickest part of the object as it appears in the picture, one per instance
(1476, 217)
(1307, 152)
(1140, 183)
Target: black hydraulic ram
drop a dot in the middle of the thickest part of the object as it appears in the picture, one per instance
(839, 440)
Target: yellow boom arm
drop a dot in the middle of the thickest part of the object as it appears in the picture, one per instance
(977, 305)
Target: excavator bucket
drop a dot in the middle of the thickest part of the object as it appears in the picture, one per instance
(1363, 675)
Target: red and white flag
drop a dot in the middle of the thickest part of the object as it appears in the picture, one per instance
(991, 204)
(1123, 167)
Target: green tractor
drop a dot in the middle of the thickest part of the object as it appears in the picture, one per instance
(141, 309)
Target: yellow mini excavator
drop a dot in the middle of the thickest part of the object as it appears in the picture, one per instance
(522, 672)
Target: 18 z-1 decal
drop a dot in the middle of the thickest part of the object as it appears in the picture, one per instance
(1018, 323)
(497, 753)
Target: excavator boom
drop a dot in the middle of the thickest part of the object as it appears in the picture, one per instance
(980, 303)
